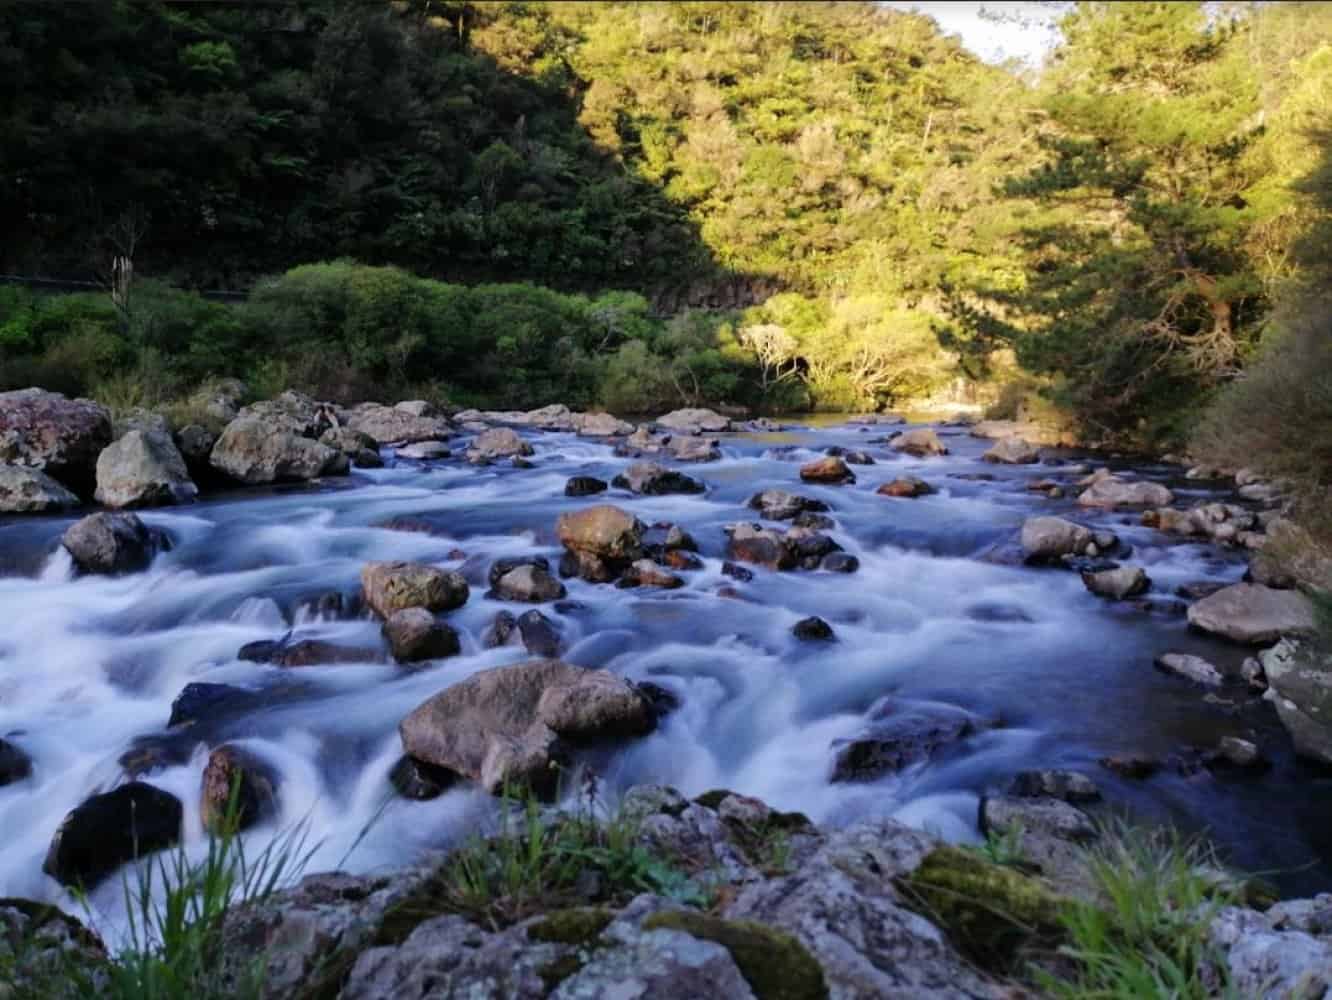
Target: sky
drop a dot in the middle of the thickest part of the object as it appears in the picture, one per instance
(1026, 33)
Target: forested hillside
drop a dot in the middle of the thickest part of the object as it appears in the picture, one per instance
(781, 205)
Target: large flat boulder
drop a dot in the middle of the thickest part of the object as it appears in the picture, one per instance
(498, 442)
(1252, 613)
(143, 469)
(390, 425)
(506, 727)
(254, 452)
(601, 425)
(61, 437)
(1049, 538)
(1111, 491)
(24, 490)
(694, 420)
(1012, 451)
(292, 412)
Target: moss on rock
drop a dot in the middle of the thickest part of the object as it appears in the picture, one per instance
(775, 964)
(992, 912)
(577, 925)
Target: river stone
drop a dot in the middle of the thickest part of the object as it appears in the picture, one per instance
(812, 629)
(752, 543)
(350, 442)
(646, 573)
(15, 765)
(1068, 786)
(694, 420)
(1110, 491)
(651, 479)
(600, 425)
(111, 543)
(1264, 962)
(143, 469)
(1192, 668)
(1012, 451)
(540, 635)
(530, 583)
(584, 486)
(389, 425)
(498, 442)
(1117, 584)
(1300, 685)
(1238, 752)
(305, 653)
(778, 505)
(827, 470)
(61, 437)
(234, 771)
(292, 413)
(32, 491)
(684, 448)
(105, 831)
(49, 955)
(921, 443)
(604, 531)
(415, 634)
(419, 781)
(392, 586)
(500, 629)
(1252, 613)
(503, 726)
(1046, 539)
(905, 486)
(195, 444)
(1051, 816)
(900, 733)
(422, 451)
(254, 452)
(201, 701)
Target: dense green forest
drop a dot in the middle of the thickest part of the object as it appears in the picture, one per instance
(644, 204)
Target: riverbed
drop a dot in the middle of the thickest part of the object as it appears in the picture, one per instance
(938, 611)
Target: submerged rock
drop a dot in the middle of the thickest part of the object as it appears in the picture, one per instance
(812, 629)
(1068, 786)
(646, 573)
(1252, 613)
(111, 543)
(778, 505)
(419, 781)
(105, 831)
(505, 726)
(15, 764)
(531, 583)
(540, 635)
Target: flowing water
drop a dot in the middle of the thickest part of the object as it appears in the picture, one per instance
(89, 665)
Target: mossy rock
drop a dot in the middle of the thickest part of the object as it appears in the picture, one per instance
(713, 798)
(993, 913)
(775, 964)
(577, 925)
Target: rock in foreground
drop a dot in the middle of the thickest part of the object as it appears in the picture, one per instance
(111, 543)
(1252, 613)
(507, 726)
(106, 830)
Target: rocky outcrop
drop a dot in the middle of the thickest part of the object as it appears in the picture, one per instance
(238, 787)
(651, 479)
(694, 421)
(105, 831)
(388, 425)
(507, 726)
(32, 491)
(1252, 613)
(61, 437)
(291, 413)
(252, 451)
(393, 586)
(111, 543)
(143, 469)
(1012, 451)
(1300, 686)
(921, 443)
(827, 470)
(415, 634)
(1111, 491)
(1283, 954)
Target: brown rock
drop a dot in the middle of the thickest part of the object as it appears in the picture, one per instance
(392, 586)
(827, 470)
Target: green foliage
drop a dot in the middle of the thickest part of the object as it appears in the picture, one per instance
(1003, 847)
(1145, 934)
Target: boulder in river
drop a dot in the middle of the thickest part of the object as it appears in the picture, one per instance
(143, 469)
(840, 562)
(900, 733)
(812, 629)
(604, 531)
(415, 634)
(753, 543)
(61, 437)
(694, 420)
(532, 583)
(1192, 668)
(646, 573)
(540, 635)
(110, 544)
(254, 452)
(201, 701)
(1012, 451)
(778, 505)
(392, 586)
(828, 469)
(1048, 539)
(497, 442)
(349, 441)
(305, 653)
(195, 444)
(1300, 686)
(1252, 613)
(15, 765)
(32, 491)
(905, 486)
(292, 413)
(600, 425)
(1051, 816)
(1068, 786)
(686, 448)
(921, 442)
(389, 425)
(107, 830)
(651, 479)
(506, 726)
(422, 451)
(584, 486)
(415, 779)
(1117, 584)
(235, 778)
(1111, 491)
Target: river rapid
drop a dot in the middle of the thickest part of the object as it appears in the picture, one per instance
(90, 665)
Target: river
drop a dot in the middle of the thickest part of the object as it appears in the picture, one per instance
(89, 665)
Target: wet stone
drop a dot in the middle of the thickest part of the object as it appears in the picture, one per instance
(415, 779)
(812, 629)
